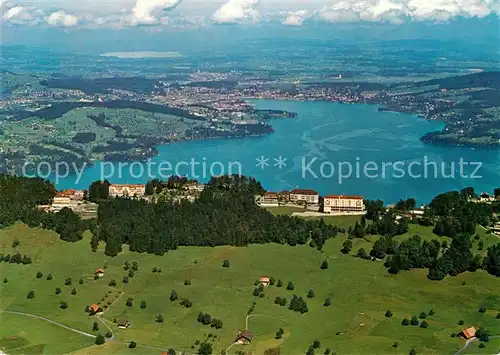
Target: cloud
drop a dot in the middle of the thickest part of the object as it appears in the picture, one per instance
(236, 11)
(295, 18)
(148, 12)
(20, 15)
(62, 19)
(398, 11)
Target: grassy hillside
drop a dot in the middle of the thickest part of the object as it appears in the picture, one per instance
(361, 291)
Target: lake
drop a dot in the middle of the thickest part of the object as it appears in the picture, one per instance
(330, 147)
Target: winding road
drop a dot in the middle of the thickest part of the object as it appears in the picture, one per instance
(468, 343)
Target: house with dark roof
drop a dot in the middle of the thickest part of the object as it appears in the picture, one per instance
(243, 337)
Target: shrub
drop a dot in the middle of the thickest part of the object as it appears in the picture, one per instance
(482, 345)
(131, 273)
(279, 283)
(272, 281)
(68, 281)
(58, 290)
(431, 312)
(125, 279)
(95, 327)
(49, 277)
(413, 352)
(30, 295)
(461, 322)
(424, 324)
(498, 314)
(290, 286)
(112, 283)
(310, 294)
(173, 296)
(155, 269)
(159, 318)
(388, 314)
(395, 345)
(99, 340)
(187, 282)
(143, 304)
(80, 281)
(186, 303)
(414, 321)
(316, 344)
(6, 281)
(324, 265)
(423, 315)
(226, 263)
(73, 291)
(132, 344)
(327, 302)
(327, 351)
(405, 321)
(129, 302)
(108, 334)
(63, 305)
(39, 275)
(482, 310)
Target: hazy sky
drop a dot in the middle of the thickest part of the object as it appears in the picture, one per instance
(120, 14)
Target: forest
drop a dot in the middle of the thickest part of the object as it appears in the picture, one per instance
(224, 214)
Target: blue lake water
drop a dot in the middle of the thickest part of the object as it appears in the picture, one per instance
(362, 140)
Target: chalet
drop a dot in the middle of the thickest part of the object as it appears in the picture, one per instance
(343, 203)
(99, 272)
(304, 196)
(264, 281)
(243, 337)
(123, 324)
(126, 190)
(468, 333)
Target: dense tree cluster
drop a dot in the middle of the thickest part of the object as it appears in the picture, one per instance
(298, 304)
(225, 214)
(98, 191)
(20, 198)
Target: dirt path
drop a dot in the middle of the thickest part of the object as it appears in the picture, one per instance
(51, 321)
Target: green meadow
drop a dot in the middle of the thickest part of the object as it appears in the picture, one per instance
(361, 292)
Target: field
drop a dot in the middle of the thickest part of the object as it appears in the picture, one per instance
(361, 291)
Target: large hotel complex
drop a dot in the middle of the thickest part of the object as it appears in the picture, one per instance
(331, 203)
(343, 203)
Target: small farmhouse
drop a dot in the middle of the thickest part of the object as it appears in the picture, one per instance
(94, 308)
(243, 337)
(123, 324)
(264, 281)
(468, 333)
(99, 272)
